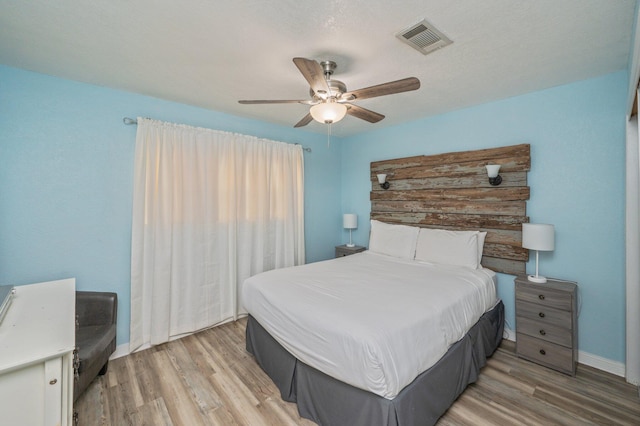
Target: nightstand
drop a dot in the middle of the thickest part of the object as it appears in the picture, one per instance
(547, 323)
(343, 250)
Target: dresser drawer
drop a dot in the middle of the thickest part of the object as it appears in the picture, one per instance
(550, 333)
(543, 314)
(544, 296)
(545, 353)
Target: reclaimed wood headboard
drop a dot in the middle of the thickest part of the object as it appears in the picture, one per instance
(452, 191)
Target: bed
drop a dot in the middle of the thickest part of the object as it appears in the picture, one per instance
(389, 337)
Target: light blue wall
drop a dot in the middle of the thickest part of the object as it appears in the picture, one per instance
(577, 137)
(66, 165)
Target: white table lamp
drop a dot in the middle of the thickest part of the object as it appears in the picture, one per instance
(538, 237)
(350, 221)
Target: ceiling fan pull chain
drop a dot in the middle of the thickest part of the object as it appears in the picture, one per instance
(329, 137)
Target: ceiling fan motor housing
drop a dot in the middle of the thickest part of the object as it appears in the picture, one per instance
(336, 87)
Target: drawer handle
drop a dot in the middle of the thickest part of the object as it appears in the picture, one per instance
(542, 332)
(541, 314)
(541, 296)
(53, 382)
(542, 352)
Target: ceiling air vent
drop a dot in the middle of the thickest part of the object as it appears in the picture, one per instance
(424, 37)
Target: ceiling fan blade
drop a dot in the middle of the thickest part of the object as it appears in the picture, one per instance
(305, 120)
(313, 72)
(399, 86)
(274, 101)
(363, 113)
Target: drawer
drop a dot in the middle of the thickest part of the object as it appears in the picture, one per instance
(342, 251)
(544, 296)
(550, 333)
(545, 353)
(543, 314)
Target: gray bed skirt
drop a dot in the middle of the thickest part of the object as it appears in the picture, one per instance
(330, 402)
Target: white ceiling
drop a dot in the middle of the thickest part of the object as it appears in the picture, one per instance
(212, 53)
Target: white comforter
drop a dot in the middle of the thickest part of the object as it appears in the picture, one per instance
(369, 320)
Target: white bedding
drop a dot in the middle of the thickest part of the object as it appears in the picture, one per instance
(370, 320)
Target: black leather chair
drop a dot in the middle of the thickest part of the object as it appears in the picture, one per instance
(96, 317)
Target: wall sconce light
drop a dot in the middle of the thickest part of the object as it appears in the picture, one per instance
(382, 180)
(494, 178)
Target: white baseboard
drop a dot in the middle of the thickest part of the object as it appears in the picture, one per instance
(121, 350)
(604, 364)
(509, 334)
(595, 361)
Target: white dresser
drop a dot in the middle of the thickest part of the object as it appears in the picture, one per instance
(37, 338)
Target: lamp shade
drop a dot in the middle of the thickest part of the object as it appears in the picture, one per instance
(328, 112)
(493, 170)
(538, 236)
(382, 178)
(350, 221)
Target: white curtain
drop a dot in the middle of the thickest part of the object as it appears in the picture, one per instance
(632, 242)
(210, 209)
(633, 216)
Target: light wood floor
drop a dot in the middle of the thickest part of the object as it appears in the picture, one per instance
(209, 379)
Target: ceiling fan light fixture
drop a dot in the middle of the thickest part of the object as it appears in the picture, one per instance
(328, 112)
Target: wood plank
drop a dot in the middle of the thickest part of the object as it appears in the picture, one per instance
(474, 407)
(491, 155)
(462, 221)
(593, 411)
(510, 179)
(154, 413)
(286, 412)
(505, 266)
(129, 397)
(193, 377)
(92, 404)
(505, 251)
(199, 355)
(147, 383)
(507, 164)
(237, 398)
(117, 409)
(179, 402)
(499, 388)
(505, 208)
(494, 193)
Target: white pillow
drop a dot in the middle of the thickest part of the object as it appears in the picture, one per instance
(459, 248)
(481, 236)
(393, 240)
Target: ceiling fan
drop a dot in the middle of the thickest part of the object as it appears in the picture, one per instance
(330, 100)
